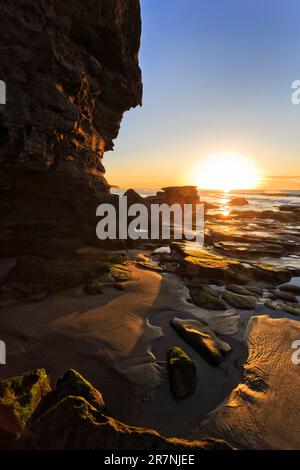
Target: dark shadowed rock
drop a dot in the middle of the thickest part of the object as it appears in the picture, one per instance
(287, 296)
(133, 197)
(293, 289)
(72, 71)
(176, 195)
(271, 274)
(65, 273)
(182, 373)
(74, 424)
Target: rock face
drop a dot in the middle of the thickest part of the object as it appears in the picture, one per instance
(71, 70)
(71, 418)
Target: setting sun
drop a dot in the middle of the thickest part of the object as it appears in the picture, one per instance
(226, 172)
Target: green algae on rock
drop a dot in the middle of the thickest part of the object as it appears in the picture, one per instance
(241, 302)
(291, 310)
(73, 384)
(206, 297)
(270, 304)
(244, 290)
(182, 373)
(20, 397)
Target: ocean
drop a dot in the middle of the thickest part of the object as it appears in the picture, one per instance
(258, 201)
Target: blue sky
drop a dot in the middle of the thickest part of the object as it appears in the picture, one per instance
(217, 77)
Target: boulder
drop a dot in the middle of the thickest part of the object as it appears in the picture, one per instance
(242, 302)
(176, 195)
(182, 373)
(206, 297)
(20, 397)
(286, 296)
(245, 290)
(255, 290)
(292, 288)
(237, 289)
(271, 274)
(202, 339)
(72, 384)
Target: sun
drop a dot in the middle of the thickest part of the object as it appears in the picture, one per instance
(227, 172)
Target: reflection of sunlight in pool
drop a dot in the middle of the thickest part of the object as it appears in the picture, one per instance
(224, 200)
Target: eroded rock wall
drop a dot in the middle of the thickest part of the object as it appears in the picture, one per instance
(71, 71)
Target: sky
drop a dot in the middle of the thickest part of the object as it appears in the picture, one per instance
(217, 78)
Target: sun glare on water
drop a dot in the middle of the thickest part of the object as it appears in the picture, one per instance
(227, 172)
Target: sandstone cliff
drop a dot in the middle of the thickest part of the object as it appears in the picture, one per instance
(71, 71)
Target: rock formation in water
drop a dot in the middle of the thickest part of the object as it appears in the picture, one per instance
(71, 71)
(176, 195)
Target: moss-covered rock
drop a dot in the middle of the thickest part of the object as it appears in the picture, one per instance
(286, 296)
(291, 310)
(255, 290)
(73, 384)
(206, 297)
(242, 302)
(271, 304)
(202, 339)
(66, 273)
(182, 373)
(204, 264)
(244, 290)
(20, 397)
